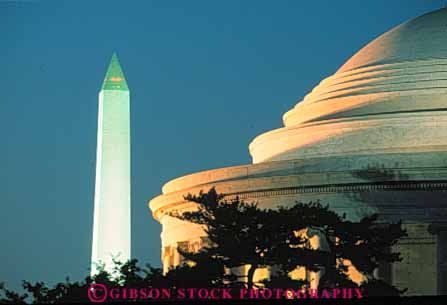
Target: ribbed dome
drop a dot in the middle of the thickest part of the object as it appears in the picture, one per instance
(421, 38)
(386, 75)
(401, 73)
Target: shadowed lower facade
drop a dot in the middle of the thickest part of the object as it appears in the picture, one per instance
(370, 138)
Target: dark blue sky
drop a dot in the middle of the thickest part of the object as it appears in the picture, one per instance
(205, 78)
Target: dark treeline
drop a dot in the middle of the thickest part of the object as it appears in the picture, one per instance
(242, 235)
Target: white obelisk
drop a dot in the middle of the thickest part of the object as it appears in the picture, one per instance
(111, 223)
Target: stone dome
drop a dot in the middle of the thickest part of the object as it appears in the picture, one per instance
(386, 98)
(369, 139)
(420, 38)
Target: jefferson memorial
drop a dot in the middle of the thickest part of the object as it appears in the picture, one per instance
(370, 138)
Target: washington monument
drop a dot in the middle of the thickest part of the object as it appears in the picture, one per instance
(111, 222)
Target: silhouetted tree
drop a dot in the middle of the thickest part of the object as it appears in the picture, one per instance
(124, 275)
(364, 243)
(242, 234)
(239, 233)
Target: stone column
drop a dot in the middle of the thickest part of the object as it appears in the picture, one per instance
(176, 256)
(166, 259)
(440, 230)
(315, 242)
(384, 271)
(442, 261)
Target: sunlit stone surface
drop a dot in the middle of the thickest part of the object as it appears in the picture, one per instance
(371, 137)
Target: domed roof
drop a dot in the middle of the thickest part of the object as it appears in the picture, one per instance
(401, 73)
(420, 38)
(407, 61)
